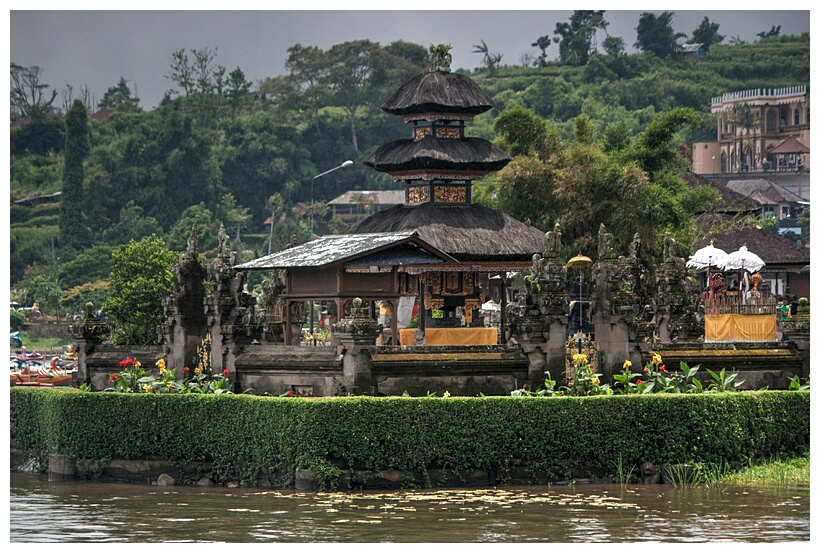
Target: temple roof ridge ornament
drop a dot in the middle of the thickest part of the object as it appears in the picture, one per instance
(440, 57)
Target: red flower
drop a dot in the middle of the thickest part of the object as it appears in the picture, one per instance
(646, 370)
(125, 362)
(225, 372)
(113, 378)
(639, 381)
(186, 369)
(290, 393)
(662, 368)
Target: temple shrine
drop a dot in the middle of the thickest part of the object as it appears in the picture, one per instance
(464, 244)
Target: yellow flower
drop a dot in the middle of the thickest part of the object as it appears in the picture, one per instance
(656, 358)
(446, 393)
(627, 364)
(580, 358)
(198, 371)
(148, 388)
(137, 363)
(161, 364)
(162, 370)
(595, 380)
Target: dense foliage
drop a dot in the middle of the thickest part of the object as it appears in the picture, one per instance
(214, 134)
(551, 438)
(140, 280)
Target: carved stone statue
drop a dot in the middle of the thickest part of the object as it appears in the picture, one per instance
(224, 242)
(192, 242)
(668, 247)
(605, 244)
(635, 247)
(552, 242)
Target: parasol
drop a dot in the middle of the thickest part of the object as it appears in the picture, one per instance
(742, 259)
(580, 262)
(710, 256)
(490, 306)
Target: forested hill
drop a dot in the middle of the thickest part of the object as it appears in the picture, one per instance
(222, 150)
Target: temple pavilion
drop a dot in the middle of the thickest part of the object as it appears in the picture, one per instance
(449, 246)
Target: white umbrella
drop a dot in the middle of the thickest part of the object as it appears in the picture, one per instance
(491, 306)
(710, 256)
(742, 259)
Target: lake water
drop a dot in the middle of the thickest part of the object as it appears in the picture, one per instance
(71, 512)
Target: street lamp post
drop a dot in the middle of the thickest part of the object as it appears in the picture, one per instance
(347, 163)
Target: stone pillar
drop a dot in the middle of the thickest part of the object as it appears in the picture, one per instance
(540, 326)
(89, 333)
(357, 338)
(678, 313)
(185, 321)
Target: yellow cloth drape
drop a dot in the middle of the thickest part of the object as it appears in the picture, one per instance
(452, 336)
(745, 328)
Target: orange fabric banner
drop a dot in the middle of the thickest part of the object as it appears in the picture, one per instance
(740, 328)
(452, 336)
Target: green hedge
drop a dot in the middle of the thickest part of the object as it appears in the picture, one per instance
(552, 438)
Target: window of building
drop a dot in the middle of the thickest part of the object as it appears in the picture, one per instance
(771, 120)
(796, 117)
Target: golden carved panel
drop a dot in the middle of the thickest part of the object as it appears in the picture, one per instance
(418, 194)
(448, 132)
(421, 132)
(450, 194)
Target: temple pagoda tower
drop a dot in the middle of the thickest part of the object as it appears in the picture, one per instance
(437, 165)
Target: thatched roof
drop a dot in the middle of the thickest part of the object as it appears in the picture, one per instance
(440, 92)
(773, 249)
(432, 153)
(467, 232)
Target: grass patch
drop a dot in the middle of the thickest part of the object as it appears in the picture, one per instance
(776, 471)
(43, 345)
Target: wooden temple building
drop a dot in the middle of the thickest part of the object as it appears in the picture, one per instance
(438, 246)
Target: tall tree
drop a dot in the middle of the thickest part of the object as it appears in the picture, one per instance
(308, 68)
(73, 234)
(351, 67)
(542, 44)
(237, 89)
(774, 31)
(655, 34)
(140, 280)
(28, 95)
(490, 60)
(118, 96)
(576, 38)
(706, 34)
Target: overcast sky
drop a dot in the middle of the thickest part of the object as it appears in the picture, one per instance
(94, 49)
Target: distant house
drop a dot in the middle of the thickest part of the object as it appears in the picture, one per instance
(357, 204)
(694, 52)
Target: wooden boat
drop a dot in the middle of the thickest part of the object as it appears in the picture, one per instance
(42, 375)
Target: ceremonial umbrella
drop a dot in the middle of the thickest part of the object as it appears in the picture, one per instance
(705, 258)
(580, 262)
(742, 259)
(710, 256)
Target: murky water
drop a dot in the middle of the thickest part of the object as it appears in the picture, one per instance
(43, 511)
